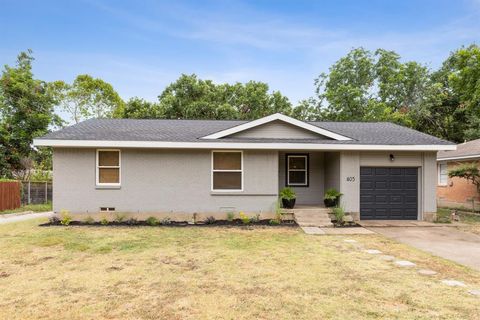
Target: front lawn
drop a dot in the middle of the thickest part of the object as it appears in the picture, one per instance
(43, 207)
(219, 273)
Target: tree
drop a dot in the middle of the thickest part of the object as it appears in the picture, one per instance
(366, 86)
(192, 98)
(88, 97)
(26, 112)
(461, 77)
(468, 171)
(137, 108)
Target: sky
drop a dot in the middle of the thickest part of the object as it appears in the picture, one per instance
(142, 46)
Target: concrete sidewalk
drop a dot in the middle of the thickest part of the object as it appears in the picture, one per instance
(6, 218)
(446, 242)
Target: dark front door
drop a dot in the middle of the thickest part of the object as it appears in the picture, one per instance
(388, 193)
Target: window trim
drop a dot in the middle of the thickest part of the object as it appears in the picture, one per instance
(212, 170)
(439, 173)
(97, 169)
(307, 170)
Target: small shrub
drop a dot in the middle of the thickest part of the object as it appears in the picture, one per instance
(245, 219)
(331, 197)
(65, 217)
(89, 220)
(54, 219)
(152, 221)
(230, 216)
(339, 214)
(255, 218)
(165, 221)
(332, 194)
(210, 220)
(288, 194)
(104, 221)
(274, 222)
(132, 221)
(120, 217)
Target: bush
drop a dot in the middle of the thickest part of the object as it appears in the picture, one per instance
(165, 221)
(210, 220)
(288, 194)
(65, 217)
(120, 217)
(255, 218)
(132, 221)
(104, 221)
(245, 219)
(339, 214)
(274, 222)
(89, 220)
(54, 219)
(230, 216)
(332, 194)
(152, 221)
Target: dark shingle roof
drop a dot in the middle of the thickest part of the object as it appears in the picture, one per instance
(466, 149)
(375, 133)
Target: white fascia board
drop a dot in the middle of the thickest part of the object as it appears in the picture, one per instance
(232, 145)
(459, 158)
(273, 117)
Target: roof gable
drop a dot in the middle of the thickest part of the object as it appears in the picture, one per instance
(277, 118)
(277, 130)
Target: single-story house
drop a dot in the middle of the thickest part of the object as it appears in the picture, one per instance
(457, 192)
(385, 171)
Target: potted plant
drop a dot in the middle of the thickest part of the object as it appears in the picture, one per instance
(288, 197)
(331, 198)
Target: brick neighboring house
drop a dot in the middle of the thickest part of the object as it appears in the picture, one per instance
(457, 192)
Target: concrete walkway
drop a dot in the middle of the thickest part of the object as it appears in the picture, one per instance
(9, 218)
(446, 242)
(312, 217)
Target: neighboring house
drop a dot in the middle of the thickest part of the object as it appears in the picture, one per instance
(384, 171)
(457, 192)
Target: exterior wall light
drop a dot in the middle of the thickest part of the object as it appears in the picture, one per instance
(392, 157)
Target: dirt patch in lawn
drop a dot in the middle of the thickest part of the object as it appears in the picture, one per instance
(219, 273)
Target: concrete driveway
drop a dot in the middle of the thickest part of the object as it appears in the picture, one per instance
(446, 242)
(9, 218)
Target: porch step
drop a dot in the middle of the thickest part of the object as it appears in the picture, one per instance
(312, 217)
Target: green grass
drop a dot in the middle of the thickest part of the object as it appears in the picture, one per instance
(31, 207)
(107, 272)
(443, 215)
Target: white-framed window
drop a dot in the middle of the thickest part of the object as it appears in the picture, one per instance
(227, 170)
(442, 174)
(108, 171)
(297, 170)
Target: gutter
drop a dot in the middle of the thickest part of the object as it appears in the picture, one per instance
(234, 145)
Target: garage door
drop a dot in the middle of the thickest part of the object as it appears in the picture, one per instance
(388, 193)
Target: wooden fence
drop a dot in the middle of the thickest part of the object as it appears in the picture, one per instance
(9, 195)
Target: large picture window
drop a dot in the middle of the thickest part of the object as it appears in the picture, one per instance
(227, 171)
(108, 167)
(297, 170)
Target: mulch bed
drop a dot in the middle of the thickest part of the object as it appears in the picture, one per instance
(216, 223)
(346, 225)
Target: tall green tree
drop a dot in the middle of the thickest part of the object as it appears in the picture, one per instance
(378, 86)
(88, 97)
(460, 74)
(137, 108)
(372, 86)
(192, 98)
(26, 112)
